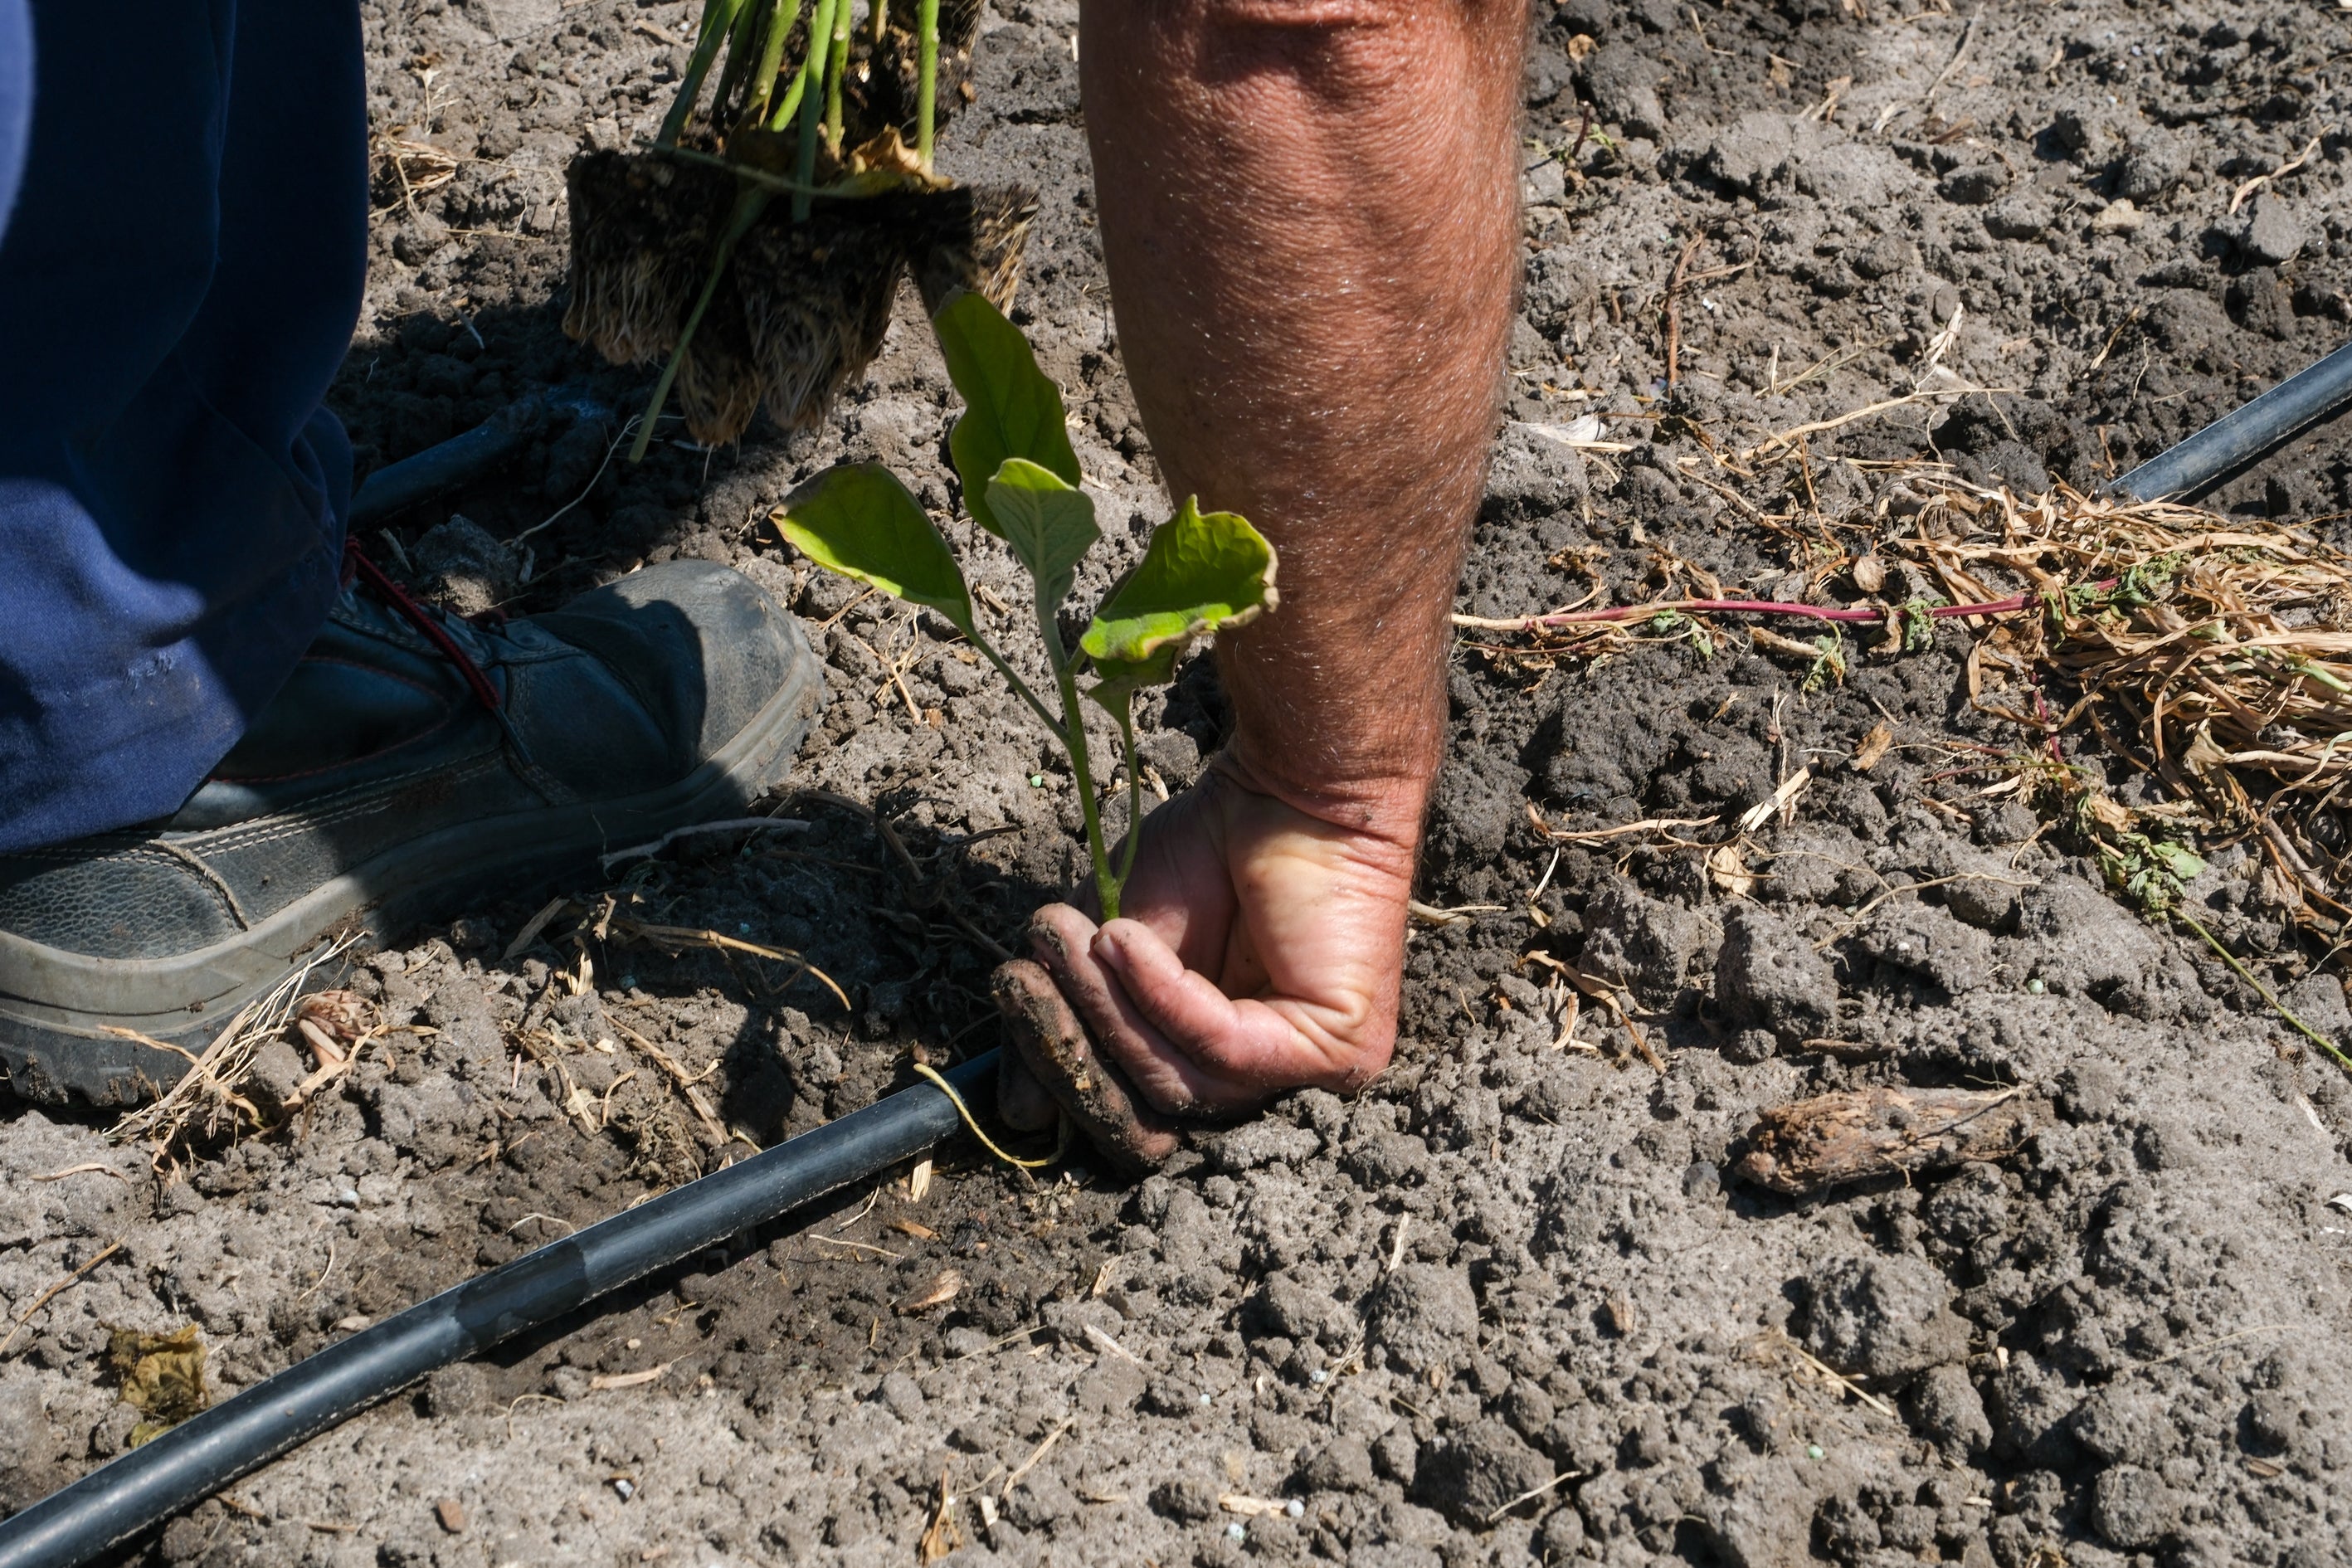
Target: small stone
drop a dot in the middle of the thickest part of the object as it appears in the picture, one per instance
(466, 565)
(1471, 1473)
(2118, 216)
(2273, 234)
(1187, 1500)
(1236, 1531)
(1343, 1465)
(624, 1487)
(2132, 1509)
(1975, 186)
(1767, 974)
(1887, 1317)
(1423, 1315)
(452, 1515)
(2154, 162)
(1948, 1412)
(277, 1072)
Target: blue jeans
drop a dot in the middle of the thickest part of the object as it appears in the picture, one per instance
(179, 272)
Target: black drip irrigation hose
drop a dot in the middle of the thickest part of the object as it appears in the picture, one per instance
(2241, 436)
(413, 480)
(206, 1452)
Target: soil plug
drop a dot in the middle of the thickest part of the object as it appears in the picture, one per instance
(1202, 572)
(679, 254)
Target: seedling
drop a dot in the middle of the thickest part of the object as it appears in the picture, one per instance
(1201, 573)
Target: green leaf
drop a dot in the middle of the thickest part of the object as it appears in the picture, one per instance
(1050, 525)
(1012, 409)
(2184, 863)
(858, 520)
(1203, 572)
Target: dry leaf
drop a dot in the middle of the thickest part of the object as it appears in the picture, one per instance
(1810, 1145)
(943, 1535)
(938, 1293)
(1779, 805)
(1729, 871)
(1252, 1506)
(163, 1376)
(1874, 746)
(919, 1180)
(605, 1379)
(1870, 572)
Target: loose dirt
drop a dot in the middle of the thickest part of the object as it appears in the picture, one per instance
(1517, 1303)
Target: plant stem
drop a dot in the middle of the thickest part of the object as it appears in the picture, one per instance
(789, 106)
(1107, 887)
(742, 47)
(836, 64)
(927, 86)
(1073, 740)
(2226, 956)
(771, 59)
(750, 201)
(820, 40)
(1126, 716)
(717, 16)
(877, 20)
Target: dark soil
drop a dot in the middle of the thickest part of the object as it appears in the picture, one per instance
(1509, 1306)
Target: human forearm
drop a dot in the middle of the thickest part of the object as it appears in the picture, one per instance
(1309, 212)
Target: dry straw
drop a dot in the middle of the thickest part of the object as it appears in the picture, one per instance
(209, 1097)
(2210, 654)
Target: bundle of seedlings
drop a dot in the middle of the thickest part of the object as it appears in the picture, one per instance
(755, 249)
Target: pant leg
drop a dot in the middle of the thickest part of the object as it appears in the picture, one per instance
(15, 99)
(178, 283)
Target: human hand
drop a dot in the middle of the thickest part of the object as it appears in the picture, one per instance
(1262, 950)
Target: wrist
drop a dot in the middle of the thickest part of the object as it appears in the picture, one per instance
(1386, 802)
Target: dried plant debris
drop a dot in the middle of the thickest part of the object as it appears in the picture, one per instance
(1858, 1135)
(2212, 655)
(162, 1376)
(214, 1094)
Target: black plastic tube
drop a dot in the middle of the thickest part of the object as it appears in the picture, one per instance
(413, 480)
(2241, 436)
(206, 1452)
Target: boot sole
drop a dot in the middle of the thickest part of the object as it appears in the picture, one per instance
(58, 1009)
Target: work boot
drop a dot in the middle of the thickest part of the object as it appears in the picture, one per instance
(412, 761)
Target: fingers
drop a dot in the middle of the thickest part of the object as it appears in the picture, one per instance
(1052, 1047)
(1064, 941)
(1181, 1040)
(1242, 1048)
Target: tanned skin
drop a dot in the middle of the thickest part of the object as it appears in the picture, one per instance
(1309, 213)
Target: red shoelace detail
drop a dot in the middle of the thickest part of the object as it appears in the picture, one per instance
(424, 621)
